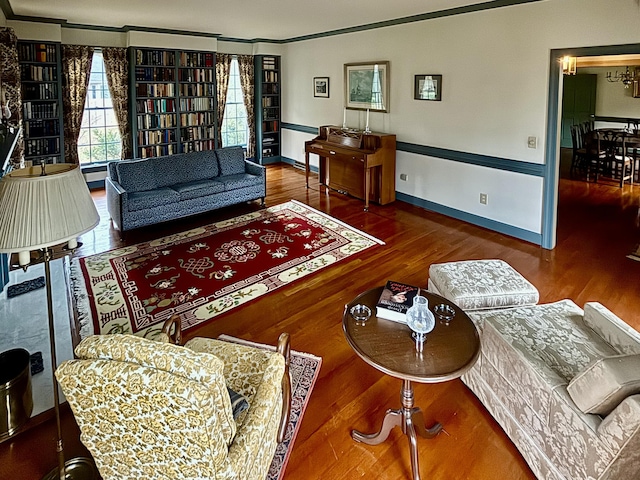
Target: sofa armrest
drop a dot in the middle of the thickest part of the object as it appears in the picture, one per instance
(620, 430)
(621, 336)
(116, 201)
(254, 168)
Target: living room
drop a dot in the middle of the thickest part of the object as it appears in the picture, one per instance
(498, 67)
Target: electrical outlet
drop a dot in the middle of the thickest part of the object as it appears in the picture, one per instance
(532, 142)
(404, 177)
(484, 198)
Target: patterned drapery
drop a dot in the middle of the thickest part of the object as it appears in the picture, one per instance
(223, 65)
(247, 82)
(10, 93)
(117, 71)
(76, 69)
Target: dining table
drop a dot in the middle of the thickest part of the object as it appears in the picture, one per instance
(627, 138)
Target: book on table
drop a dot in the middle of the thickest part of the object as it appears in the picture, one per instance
(395, 300)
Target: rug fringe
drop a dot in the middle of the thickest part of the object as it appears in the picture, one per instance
(81, 298)
(364, 234)
(228, 338)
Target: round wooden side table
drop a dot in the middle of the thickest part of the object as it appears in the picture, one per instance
(449, 351)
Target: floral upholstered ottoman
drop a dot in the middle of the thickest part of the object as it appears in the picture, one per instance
(481, 284)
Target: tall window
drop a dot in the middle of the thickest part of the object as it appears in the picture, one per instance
(99, 139)
(235, 130)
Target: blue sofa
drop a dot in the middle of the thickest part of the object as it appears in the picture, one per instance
(152, 190)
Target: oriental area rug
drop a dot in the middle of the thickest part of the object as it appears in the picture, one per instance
(207, 271)
(304, 369)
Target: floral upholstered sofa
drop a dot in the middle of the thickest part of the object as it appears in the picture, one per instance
(152, 190)
(564, 384)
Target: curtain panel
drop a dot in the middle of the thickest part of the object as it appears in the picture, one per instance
(10, 94)
(76, 69)
(247, 81)
(116, 64)
(223, 65)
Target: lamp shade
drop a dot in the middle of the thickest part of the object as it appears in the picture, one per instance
(38, 211)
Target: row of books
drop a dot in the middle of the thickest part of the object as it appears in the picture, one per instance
(198, 146)
(33, 110)
(270, 76)
(198, 103)
(151, 74)
(152, 137)
(155, 89)
(155, 121)
(196, 133)
(270, 102)
(270, 126)
(197, 59)
(270, 89)
(197, 89)
(36, 52)
(41, 128)
(42, 146)
(155, 57)
(197, 118)
(38, 73)
(269, 63)
(157, 151)
(42, 91)
(154, 106)
(196, 75)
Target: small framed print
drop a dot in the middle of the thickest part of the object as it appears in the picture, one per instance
(428, 87)
(321, 87)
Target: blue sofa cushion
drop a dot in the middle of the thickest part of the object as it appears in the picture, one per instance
(136, 176)
(231, 160)
(152, 198)
(240, 180)
(199, 188)
(185, 167)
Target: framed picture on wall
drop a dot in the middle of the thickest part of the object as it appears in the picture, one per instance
(321, 87)
(366, 86)
(428, 87)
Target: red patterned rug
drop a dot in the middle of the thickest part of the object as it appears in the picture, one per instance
(304, 370)
(207, 271)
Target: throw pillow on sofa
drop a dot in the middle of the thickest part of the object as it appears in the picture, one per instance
(231, 160)
(605, 383)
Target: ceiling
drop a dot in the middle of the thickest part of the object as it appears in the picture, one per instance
(241, 19)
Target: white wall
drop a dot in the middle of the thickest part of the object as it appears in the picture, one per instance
(612, 99)
(495, 67)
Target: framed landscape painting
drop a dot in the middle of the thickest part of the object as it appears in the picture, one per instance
(428, 87)
(367, 86)
(321, 87)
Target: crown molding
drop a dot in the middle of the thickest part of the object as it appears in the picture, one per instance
(6, 8)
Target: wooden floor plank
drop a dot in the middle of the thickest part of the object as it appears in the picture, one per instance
(598, 226)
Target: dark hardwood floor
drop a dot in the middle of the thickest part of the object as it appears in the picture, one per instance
(598, 227)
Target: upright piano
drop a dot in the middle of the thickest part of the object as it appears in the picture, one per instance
(356, 163)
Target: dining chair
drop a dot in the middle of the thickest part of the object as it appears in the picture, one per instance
(618, 163)
(594, 155)
(579, 156)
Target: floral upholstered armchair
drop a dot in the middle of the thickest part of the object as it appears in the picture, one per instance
(149, 409)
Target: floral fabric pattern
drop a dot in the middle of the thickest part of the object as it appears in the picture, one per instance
(481, 284)
(529, 355)
(151, 410)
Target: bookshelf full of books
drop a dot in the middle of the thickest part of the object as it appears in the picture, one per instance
(173, 101)
(154, 103)
(197, 95)
(268, 137)
(41, 102)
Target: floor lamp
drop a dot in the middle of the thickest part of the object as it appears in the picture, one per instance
(44, 209)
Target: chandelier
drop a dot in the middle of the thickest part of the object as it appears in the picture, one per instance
(625, 77)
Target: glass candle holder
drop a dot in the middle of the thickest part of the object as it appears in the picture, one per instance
(420, 320)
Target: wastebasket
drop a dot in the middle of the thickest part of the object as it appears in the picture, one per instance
(16, 401)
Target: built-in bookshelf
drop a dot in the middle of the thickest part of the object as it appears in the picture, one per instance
(197, 92)
(41, 102)
(154, 103)
(173, 101)
(268, 138)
